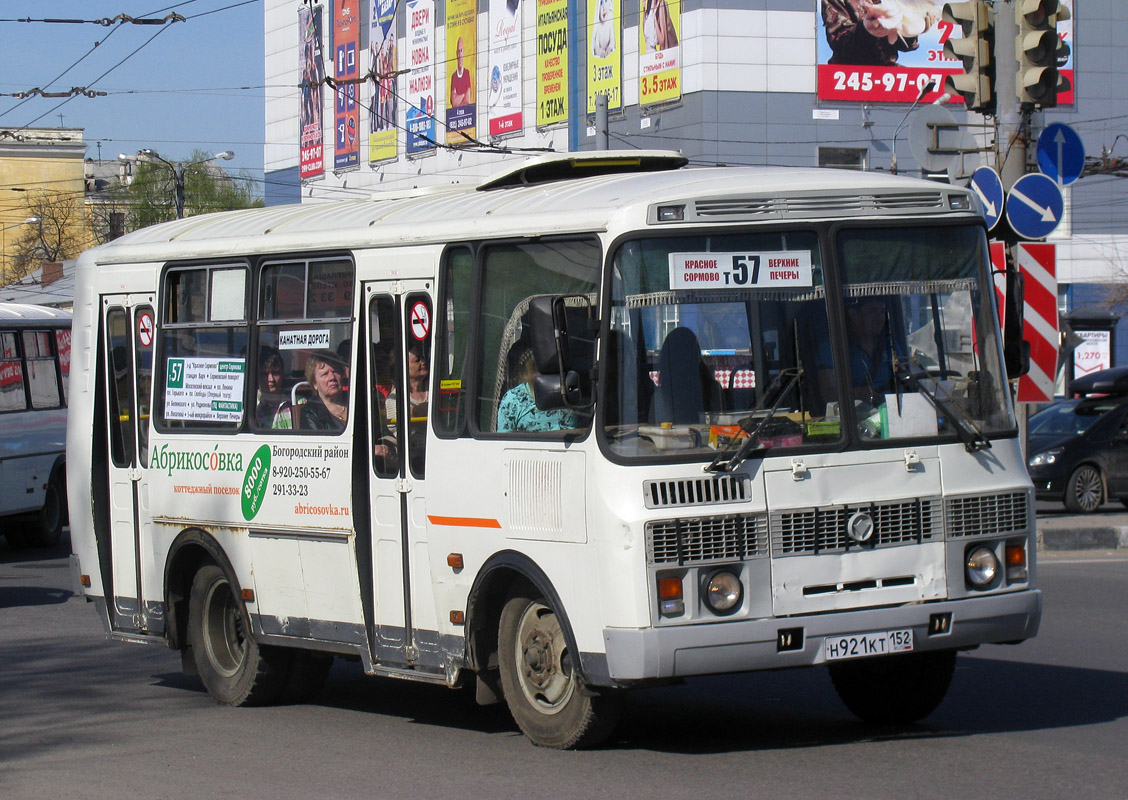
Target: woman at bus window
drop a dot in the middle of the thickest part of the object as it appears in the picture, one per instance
(271, 403)
(417, 374)
(328, 409)
(518, 410)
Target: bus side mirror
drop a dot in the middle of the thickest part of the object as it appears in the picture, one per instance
(562, 338)
(1016, 350)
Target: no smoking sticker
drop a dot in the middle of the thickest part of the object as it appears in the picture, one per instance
(420, 321)
(145, 329)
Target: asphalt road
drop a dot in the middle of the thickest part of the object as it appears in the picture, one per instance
(81, 716)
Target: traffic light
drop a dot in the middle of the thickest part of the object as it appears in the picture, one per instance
(977, 83)
(1039, 49)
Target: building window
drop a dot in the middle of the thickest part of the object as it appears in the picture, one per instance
(843, 157)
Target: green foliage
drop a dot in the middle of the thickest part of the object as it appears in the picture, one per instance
(151, 197)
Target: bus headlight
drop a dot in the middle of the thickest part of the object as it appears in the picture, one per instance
(981, 567)
(723, 592)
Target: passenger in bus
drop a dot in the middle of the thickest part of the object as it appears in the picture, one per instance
(271, 398)
(871, 349)
(518, 410)
(417, 375)
(328, 409)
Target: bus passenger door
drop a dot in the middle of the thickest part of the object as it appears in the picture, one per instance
(398, 351)
(128, 322)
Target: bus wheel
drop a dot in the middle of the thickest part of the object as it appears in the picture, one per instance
(234, 668)
(894, 690)
(546, 698)
(48, 525)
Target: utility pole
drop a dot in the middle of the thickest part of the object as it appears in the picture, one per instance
(1010, 142)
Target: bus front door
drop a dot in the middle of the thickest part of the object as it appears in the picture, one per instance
(404, 629)
(128, 322)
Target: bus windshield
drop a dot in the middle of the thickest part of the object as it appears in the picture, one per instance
(719, 339)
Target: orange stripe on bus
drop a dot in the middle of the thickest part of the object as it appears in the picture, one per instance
(465, 522)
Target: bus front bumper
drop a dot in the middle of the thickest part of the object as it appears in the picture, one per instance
(747, 645)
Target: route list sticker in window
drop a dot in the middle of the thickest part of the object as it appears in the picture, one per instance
(204, 389)
(740, 270)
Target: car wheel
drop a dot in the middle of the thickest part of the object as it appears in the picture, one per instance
(1084, 492)
(546, 698)
(235, 669)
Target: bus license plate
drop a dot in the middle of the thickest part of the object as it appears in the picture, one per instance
(868, 644)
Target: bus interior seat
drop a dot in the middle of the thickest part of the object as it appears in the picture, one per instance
(686, 386)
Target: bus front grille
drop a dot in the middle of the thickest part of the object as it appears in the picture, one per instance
(696, 491)
(810, 531)
(703, 540)
(988, 514)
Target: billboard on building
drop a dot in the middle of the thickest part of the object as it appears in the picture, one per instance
(604, 56)
(503, 104)
(659, 51)
(461, 71)
(311, 163)
(883, 51)
(382, 139)
(552, 62)
(1065, 68)
(346, 67)
(887, 51)
(420, 76)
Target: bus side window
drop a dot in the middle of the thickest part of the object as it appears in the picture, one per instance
(11, 375)
(418, 360)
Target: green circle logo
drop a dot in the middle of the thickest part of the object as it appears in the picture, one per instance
(255, 481)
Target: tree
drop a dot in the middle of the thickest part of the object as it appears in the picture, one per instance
(151, 196)
(59, 234)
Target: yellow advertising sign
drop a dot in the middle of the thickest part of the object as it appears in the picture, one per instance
(659, 51)
(461, 70)
(605, 69)
(552, 62)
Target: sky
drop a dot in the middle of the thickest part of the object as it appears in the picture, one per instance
(197, 85)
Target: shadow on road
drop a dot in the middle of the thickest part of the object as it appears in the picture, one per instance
(11, 596)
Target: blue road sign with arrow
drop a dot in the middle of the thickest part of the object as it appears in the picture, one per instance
(1034, 206)
(988, 186)
(1061, 154)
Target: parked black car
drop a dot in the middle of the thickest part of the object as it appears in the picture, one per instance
(1077, 450)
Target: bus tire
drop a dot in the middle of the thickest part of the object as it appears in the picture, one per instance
(47, 528)
(546, 697)
(894, 690)
(235, 669)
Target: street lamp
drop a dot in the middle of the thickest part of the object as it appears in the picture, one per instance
(175, 168)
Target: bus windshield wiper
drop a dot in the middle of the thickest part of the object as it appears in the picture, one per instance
(969, 433)
(731, 458)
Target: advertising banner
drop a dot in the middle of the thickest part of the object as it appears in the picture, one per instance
(552, 62)
(659, 51)
(420, 76)
(461, 70)
(1093, 354)
(312, 69)
(887, 51)
(883, 51)
(503, 105)
(605, 68)
(1065, 68)
(382, 139)
(346, 67)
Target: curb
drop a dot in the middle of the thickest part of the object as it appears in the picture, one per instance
(1102, 538)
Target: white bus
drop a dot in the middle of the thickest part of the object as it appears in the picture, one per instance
(34, 364)
(601, 421)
